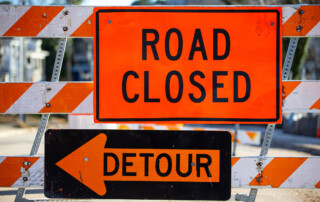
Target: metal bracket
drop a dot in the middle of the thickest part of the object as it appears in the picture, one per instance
(289, 58)
(45, 117)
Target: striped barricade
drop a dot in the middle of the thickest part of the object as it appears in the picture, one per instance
(244, 136)
(85, 121)
(77, 21)
(278, 172)
(77, 97)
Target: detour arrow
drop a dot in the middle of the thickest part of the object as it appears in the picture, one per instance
(92, 164)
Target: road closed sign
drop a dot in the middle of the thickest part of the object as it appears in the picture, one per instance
(188, 64)
(123, 164)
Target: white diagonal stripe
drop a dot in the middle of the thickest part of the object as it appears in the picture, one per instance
(245, 170)
(86, 106)
(9, 15)
(2, 158)
(302, 97)
(306, 176)
(75, 17)
(315, 31)
(287, 12)
(35, 98)
(36, 178)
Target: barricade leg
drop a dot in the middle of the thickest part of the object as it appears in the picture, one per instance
(270, 128)
(45, 117)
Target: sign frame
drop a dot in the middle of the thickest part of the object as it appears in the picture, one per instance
(278, 117)
(60, 145)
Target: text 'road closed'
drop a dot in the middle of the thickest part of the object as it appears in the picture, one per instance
(187, 65)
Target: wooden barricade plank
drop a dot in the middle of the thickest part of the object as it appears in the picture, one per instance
(77, 97)
(279, 172)
(77, 21)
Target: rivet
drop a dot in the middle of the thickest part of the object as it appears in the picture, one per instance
(44, 14)
(301, 12)
(25, 179)
(299, 28)
(65, 28)
(66, 12)
(47, 104)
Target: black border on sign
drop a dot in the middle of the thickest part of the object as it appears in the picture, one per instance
(184, 118)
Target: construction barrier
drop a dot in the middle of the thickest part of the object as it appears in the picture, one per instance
(278, 172)
(77, 21)
(77, 97)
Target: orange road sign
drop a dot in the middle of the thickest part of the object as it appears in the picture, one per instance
(188, 64)
(107, 161)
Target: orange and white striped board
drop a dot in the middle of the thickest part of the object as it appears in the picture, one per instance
(278, 172)
(309, 91)
(77, 21)
(85, 121)
(77, 97)
(244, 136)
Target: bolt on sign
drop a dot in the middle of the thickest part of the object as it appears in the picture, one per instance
(138, 164)
(188, 64)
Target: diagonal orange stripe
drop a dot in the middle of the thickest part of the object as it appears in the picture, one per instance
(33, 21)
(251, 135)
(317, 185)
(10, 169)
(201, 129)
(289, 87)
(85, 29)
(278, 171)
(124, 127)
(316, 105)
(68, 98)
(234, 160)
(307, 20)
(147, 127)
(10, 93)
(173, 128)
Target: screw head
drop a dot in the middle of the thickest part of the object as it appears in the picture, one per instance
(65, 28)
(44, 14)
(301, 12)
(66, 12)
(259, 163)
(258, 179)
(47, 104)
(25, 179)
(299, 28)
